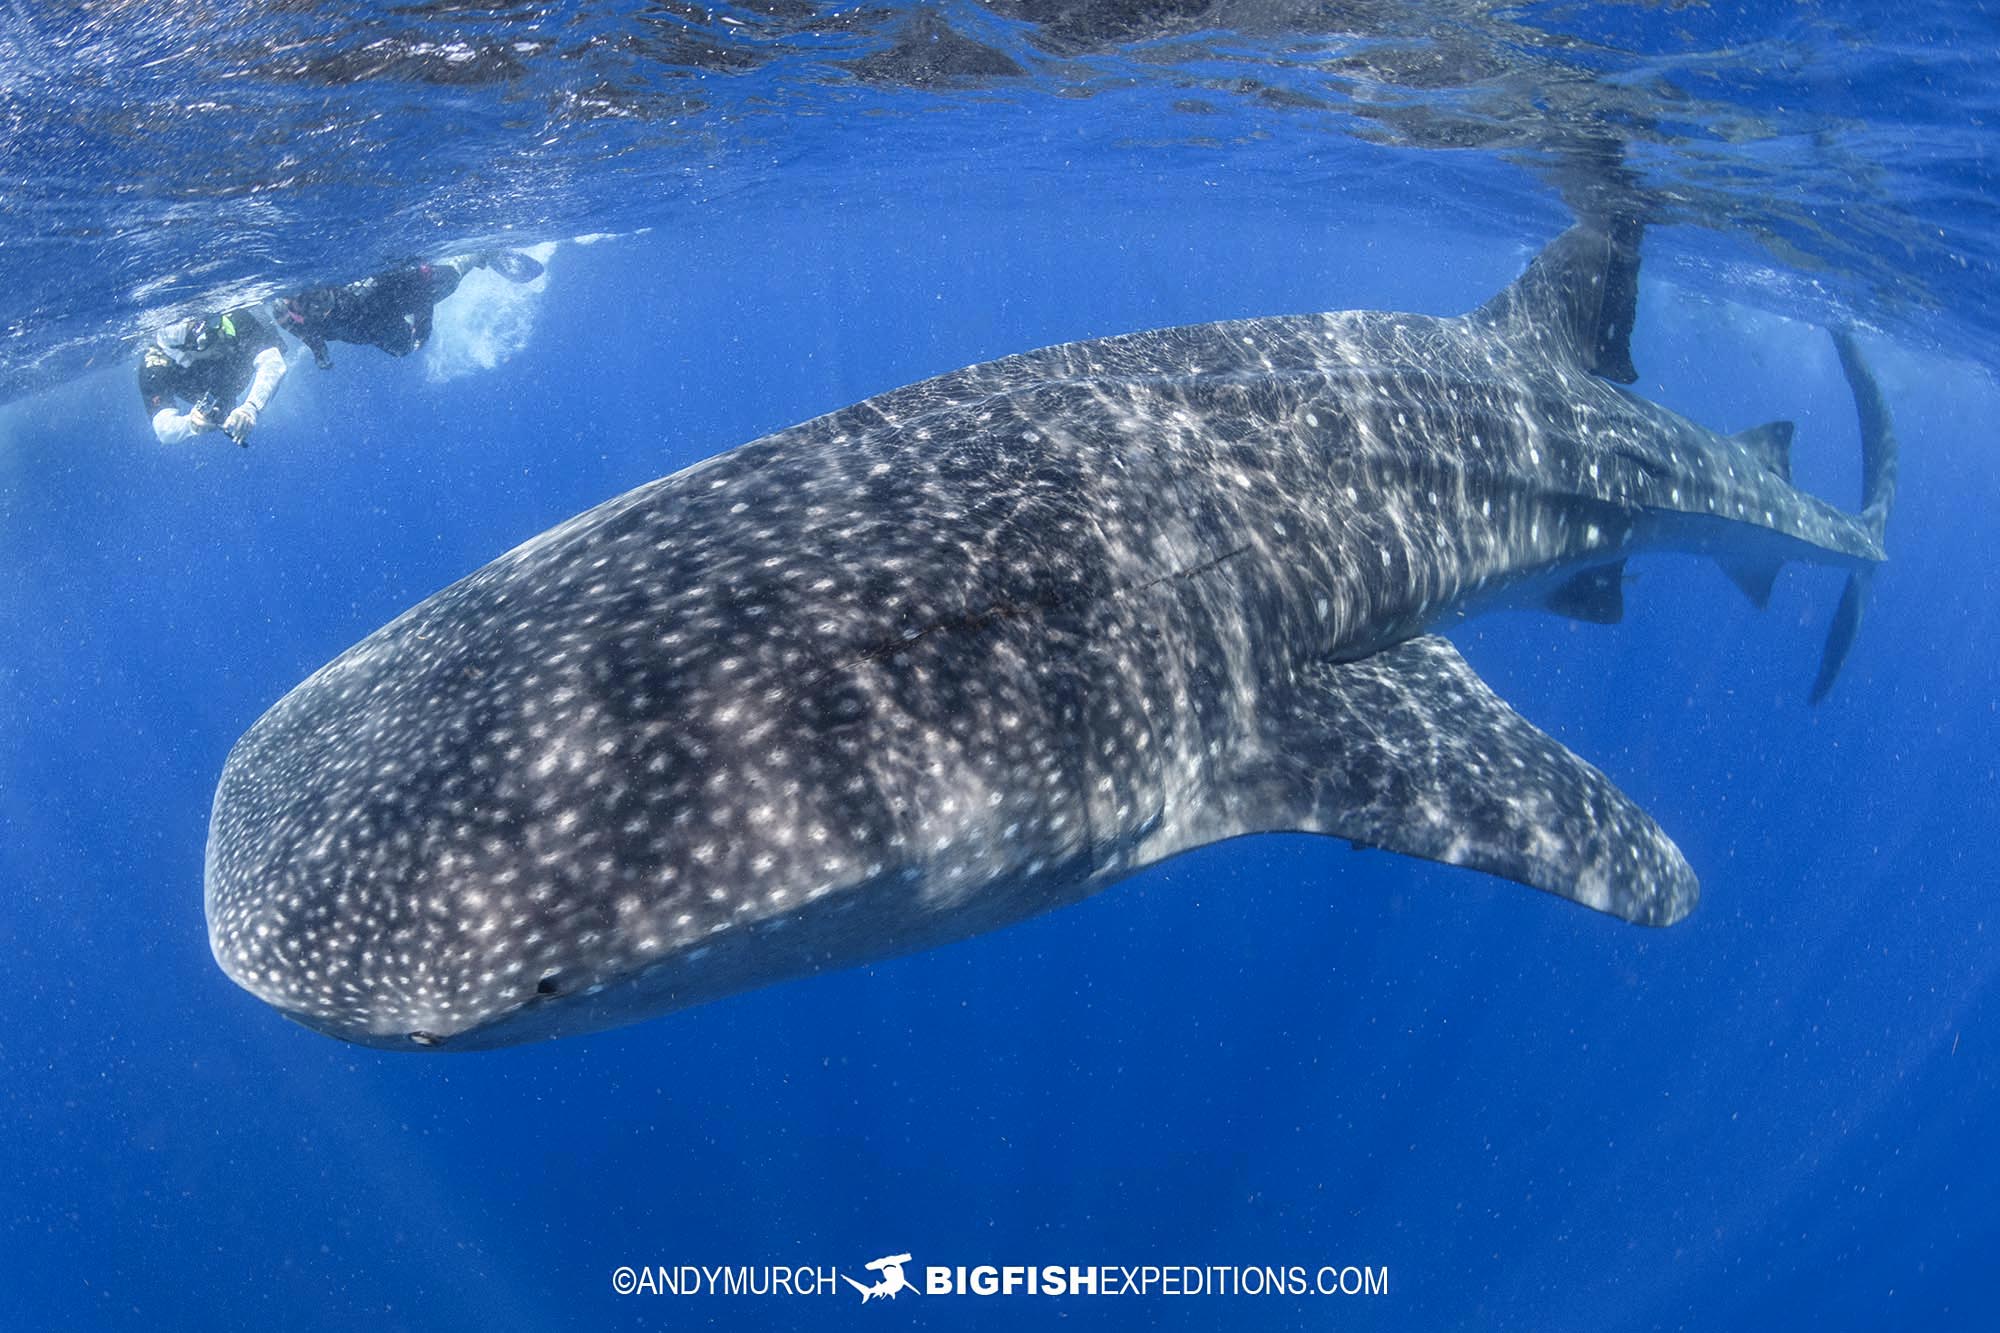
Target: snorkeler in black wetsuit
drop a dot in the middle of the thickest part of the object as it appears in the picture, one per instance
(391, 310)
(226, 366)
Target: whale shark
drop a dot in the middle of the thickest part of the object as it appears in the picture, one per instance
(980, 647)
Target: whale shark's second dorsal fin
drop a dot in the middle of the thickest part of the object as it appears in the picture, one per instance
(1578, 299)
(1771, 445)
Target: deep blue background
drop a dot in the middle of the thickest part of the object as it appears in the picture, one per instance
(1274, 1051)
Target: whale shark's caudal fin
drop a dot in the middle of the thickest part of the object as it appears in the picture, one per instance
(1578, 299)
(1878, 494)
(1409, 751)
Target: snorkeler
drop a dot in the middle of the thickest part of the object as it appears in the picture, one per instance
(391, 310)
(209, 361)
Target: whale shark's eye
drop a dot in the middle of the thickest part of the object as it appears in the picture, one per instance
(547, 985)
(426, 1039)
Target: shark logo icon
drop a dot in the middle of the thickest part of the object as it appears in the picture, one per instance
(890, 1266)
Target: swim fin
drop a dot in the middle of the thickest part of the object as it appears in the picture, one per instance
(513, 265)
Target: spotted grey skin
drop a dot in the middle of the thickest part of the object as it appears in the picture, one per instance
(978, 648)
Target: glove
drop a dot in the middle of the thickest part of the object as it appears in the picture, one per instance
(201, 421)
(240, 423)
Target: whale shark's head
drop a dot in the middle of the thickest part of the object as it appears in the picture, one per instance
(613, 774)
(511, 814)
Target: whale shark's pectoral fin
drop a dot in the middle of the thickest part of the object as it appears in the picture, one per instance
(1409, 751)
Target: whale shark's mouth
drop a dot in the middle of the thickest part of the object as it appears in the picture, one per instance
(404, 1031)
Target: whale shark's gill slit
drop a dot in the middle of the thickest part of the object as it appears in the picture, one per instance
(969, 621)
(1192, 571)
(999, 612)
(1642, 461)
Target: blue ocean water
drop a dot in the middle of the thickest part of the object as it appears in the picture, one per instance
(1271, 1052)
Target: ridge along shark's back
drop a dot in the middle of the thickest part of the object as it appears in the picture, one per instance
(979, 647)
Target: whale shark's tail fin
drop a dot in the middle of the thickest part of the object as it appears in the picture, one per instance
(1578, 298)
(1878, 494)
(1878, 434)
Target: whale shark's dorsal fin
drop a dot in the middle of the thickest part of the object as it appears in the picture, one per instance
(1410, 752)
(1771, 445)
(1579, 298)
